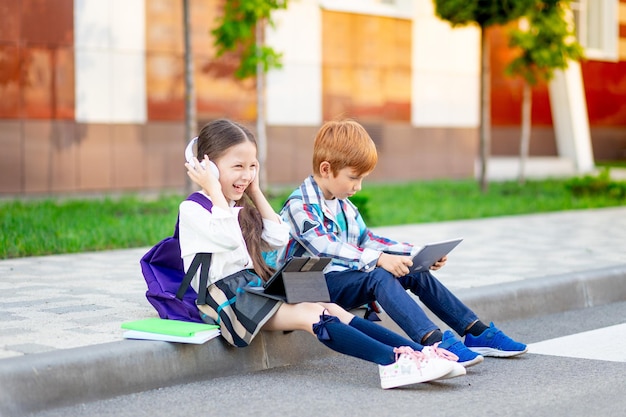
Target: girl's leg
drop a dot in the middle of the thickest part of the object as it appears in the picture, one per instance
(371, 329)
(383, 334)
(410, 367)
(295, 317)
(329, 330)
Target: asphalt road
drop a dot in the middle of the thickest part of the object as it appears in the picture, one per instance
(531, 385)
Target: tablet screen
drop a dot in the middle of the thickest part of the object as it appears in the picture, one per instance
(431, 253)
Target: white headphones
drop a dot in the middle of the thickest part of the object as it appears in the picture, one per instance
(189, 157)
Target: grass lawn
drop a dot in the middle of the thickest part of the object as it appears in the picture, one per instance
(42, 227)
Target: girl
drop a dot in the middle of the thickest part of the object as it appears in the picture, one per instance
(240, 226)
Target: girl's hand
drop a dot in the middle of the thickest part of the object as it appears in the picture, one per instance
(204, 177)
(260, 201)
(254, 186)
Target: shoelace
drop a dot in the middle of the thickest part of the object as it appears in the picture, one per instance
(403, 349)
(442, 353)
(414, 355)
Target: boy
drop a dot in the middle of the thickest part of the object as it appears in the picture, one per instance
(366, 267)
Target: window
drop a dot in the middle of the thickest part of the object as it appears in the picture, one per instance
(597, 27)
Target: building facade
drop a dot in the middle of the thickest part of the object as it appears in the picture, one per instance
(92, 92)
(601, 29)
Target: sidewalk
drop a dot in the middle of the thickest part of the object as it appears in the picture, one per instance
(61, 342)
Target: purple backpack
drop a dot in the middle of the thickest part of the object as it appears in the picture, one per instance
(169, 289)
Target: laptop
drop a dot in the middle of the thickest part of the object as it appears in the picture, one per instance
(431, 253)
(300, 279)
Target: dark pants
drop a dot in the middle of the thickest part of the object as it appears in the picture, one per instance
(351, 289)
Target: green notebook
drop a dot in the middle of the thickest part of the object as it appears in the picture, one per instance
(169, 327)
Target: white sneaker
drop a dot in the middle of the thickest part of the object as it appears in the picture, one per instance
(442, 354)
(412, 367)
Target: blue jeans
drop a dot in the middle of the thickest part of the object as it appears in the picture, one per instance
(351, 289)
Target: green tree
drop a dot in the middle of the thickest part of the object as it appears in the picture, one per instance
(546, 42)
(484, 13)
(240, 29)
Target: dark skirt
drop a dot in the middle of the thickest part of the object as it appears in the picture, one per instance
(240, 314)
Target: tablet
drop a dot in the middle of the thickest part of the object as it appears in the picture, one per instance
(431, 253)
(299, 279)
(298, 264)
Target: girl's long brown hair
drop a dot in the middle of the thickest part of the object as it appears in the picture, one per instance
(214, 140)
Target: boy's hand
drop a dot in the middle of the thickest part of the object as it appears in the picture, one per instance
(397, 265)
(441, 262)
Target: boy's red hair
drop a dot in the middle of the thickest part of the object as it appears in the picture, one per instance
(344, 144)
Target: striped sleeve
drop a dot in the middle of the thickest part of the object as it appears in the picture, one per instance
(308, 229)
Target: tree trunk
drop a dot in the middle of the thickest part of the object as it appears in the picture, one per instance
(527, 103)
(260, 105)
(190, 92)
(485, 109)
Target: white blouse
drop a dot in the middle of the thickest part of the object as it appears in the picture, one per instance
(218, 232)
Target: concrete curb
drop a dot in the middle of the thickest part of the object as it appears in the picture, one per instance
(548, 295)
(59, 378)
(64, 377)
(545, 295)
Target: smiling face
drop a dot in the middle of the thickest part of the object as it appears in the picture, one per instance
(238, 166)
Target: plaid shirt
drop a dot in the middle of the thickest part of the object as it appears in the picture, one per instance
(314, 231)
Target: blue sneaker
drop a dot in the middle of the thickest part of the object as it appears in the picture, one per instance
(466, 357)
(493, 342)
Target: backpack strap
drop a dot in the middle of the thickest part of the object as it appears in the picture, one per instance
(196, 198)
(201, 260)
(201, 199)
